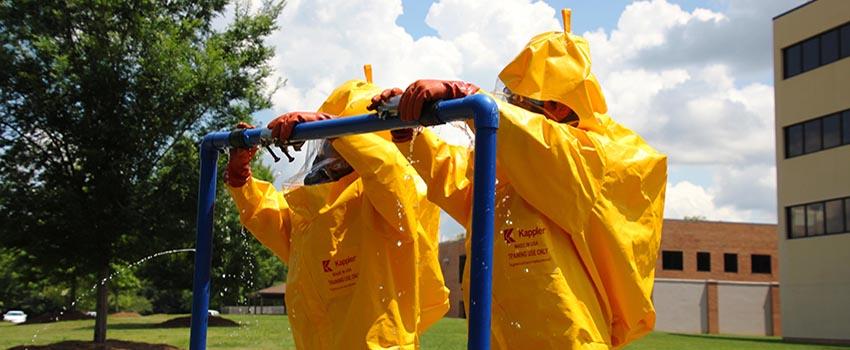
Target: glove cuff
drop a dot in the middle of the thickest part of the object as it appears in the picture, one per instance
(402, 135)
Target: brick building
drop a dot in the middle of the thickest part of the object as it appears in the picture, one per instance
(717, 277)
(711, 277)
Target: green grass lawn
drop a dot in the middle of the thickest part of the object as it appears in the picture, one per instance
(272, 332)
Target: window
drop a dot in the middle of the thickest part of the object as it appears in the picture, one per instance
(817, 134)
(793, 61)
(704, 261)
(814, 219)
(461, 265)
(671, 260)
(811, 54)
(794, 140)
(835, 216)
(832, 131)
(797, 217)
(822, 49)
(829, 47)
(847, 214)
(730, 262)
(812, 139)
(760, 263)
(845, 126)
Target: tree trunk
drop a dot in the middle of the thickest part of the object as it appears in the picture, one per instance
(73, 294)
(102, 306)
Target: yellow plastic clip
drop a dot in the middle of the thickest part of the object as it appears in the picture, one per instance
(367, 69)
(565, 16)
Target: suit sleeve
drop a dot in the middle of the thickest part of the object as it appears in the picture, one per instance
(390, 184)
(447, 169)
(265, 213)
(556, 168)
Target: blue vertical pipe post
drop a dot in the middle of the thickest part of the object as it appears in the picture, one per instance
(203, 246)
(486, 115)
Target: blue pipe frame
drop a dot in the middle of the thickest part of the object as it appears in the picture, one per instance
(481, 108)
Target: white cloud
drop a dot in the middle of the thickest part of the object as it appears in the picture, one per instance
(693, 83)
(685, 199)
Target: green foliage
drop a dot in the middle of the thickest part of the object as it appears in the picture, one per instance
(694, 218)
(99, 104)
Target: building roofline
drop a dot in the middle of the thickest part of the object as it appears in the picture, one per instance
(721, 222)
(794, 9)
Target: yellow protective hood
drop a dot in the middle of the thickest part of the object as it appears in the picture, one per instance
(555, 66)
(351, 98)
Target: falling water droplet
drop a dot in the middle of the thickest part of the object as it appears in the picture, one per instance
(398, 243)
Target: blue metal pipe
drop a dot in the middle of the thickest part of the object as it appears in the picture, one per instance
(203, 247)
(479, 107)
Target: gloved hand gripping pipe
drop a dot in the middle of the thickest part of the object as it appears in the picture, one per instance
(480, 107)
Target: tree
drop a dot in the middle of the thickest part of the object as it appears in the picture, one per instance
(93, 96)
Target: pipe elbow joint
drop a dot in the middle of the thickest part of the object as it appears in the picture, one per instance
(485, 110)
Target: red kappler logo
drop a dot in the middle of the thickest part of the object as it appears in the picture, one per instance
(326, 265)
(506, 234)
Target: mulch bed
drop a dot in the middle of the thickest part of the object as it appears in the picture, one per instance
(212, 321)
(52, 317)
(84, 345)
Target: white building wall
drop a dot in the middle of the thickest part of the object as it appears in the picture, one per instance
(680, 306)
(744, 308)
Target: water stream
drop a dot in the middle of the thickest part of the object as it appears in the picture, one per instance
(103, 281)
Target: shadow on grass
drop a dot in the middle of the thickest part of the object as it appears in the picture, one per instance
(754, 339)
(730, 337)
(179, 322)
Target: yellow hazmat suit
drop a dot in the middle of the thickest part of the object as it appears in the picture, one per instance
(361, 251)
(578, 209)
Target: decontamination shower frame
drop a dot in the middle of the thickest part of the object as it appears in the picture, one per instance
(481, 108)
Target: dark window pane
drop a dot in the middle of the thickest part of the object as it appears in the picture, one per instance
(793, 60)
(671, 260)
(461, 266)
(831, 131)
(845, 126)
(829, 47)
(814, 219)
(760, 263)
(730, 262)
(811, 53)
(794, 140)
(812, 136)
(847, 214)
(845, 41)
(797, 221)
(704, 261)
(834, 216)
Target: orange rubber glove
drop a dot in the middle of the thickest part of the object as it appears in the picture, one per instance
(399, 135)
(239, 165)
(282, 126)
(422, 91)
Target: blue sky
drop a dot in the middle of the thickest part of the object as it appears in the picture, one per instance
(589, 15)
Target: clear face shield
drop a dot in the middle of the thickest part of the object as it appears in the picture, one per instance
(328, 166)
(322, 164)
(556, 111)
(501, 91)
